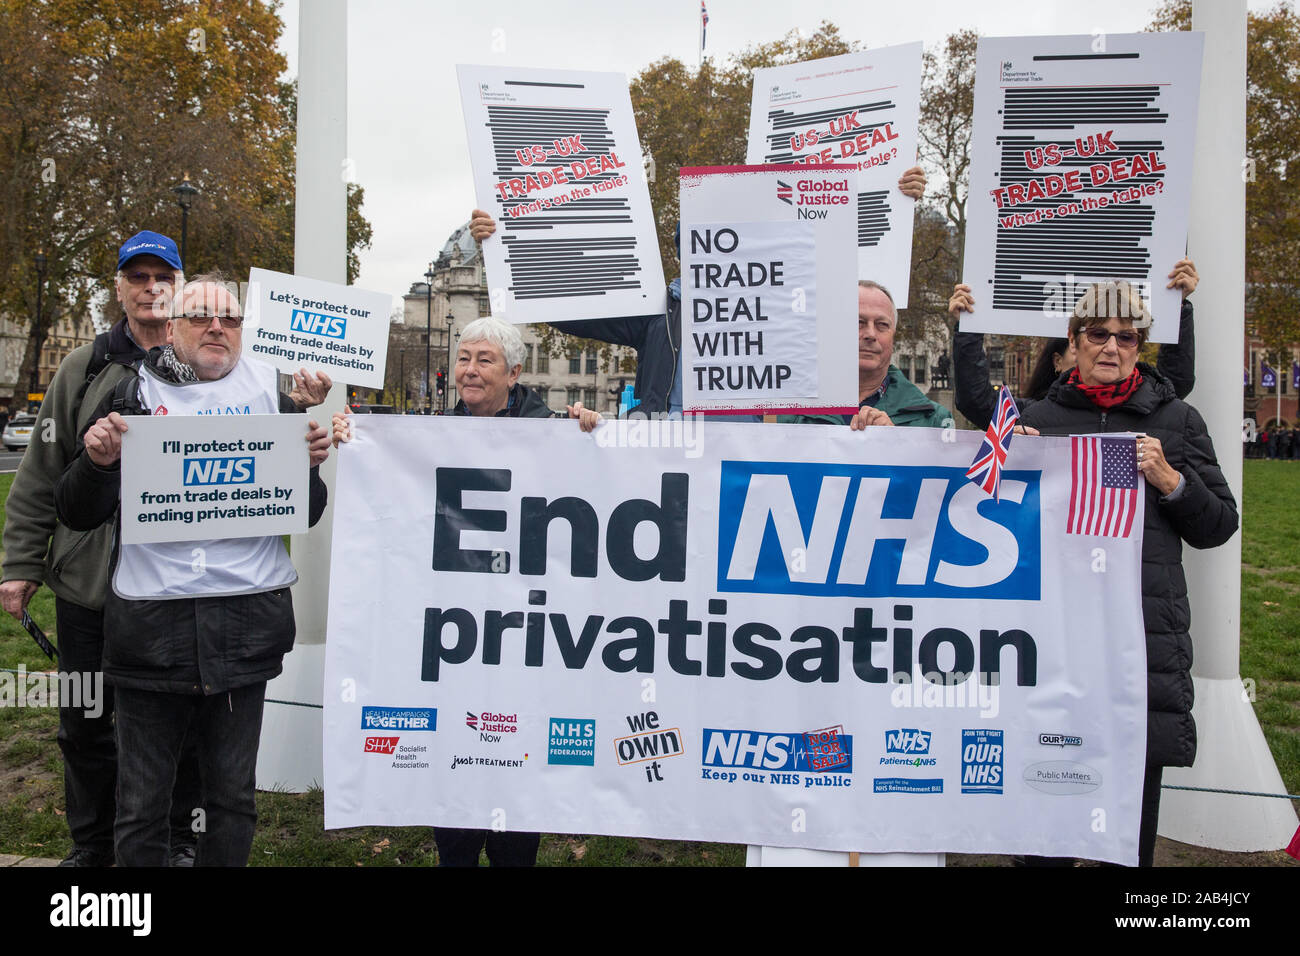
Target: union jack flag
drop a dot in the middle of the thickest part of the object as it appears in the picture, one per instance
(986, 469)
(704, 23)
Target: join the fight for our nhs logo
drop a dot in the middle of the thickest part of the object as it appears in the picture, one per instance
(981, 761)
(876, 531)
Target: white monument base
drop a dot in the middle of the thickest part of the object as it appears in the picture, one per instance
(1231, 755)
(290, 756)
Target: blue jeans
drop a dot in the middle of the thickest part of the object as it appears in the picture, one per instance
(151, 731)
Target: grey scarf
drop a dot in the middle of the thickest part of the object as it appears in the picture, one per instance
(174, 367)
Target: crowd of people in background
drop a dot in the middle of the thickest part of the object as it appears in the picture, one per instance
(1281, 444)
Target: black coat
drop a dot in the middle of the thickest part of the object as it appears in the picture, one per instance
(1205, 516)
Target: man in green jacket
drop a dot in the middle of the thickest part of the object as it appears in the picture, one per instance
(885, 396)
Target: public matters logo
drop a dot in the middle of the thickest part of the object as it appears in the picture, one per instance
(318, 323)
(981, 761)
(219, 471)
(381, 745)
(784, 192)
(572, 741)
(812, 758)
(837, 517)
(399, 718)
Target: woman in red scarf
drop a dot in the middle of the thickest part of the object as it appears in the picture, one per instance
(1187, 500)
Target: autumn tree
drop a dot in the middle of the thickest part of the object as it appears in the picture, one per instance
(104, 107)
(1270, 170)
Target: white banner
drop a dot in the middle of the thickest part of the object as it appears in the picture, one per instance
(742, 633)
(191, 477)
(861, 108)
(558, 164)
(295, 322)
(1081, 170)
(769, 289)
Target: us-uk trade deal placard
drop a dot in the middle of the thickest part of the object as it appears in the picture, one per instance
(1081, 171)
(861, 109)
(780, 635)
(191, 478)
(295, 322)
(557, 163)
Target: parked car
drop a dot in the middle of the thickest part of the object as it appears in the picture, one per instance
(18, 433)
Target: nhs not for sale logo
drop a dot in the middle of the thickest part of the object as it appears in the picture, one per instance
(876, 531)
(765, 750)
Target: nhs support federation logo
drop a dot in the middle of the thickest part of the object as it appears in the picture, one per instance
(218, 471)
(316, 323)
(572, 741)
(903, 531)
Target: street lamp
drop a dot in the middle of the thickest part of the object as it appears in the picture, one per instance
(446, 385)
(428, 339)
(401, 381)
(34, 384)
(185, 192)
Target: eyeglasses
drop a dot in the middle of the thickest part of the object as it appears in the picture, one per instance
(203, 321)
(149, 278)
(1125, 340)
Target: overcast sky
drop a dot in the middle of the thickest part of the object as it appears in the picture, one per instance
(406, 134)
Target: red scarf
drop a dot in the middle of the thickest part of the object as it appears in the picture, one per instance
(1107, 396)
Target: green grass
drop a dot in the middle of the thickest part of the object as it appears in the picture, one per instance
(289, 830)
(1270, 607)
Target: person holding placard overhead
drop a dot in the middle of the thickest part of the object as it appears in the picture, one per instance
(189, 644)
(1187, 500)
(657, 339)
(977, 396)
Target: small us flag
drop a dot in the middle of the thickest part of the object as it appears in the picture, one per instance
(1103, 486)
(986, 469)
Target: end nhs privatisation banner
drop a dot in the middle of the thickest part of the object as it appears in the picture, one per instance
(771, 634)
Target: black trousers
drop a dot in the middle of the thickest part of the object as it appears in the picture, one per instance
(89, 750)
(458, 847)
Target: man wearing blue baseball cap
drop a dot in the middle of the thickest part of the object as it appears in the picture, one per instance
(76, 565)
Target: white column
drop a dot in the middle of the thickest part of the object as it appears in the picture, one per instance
(1232, 753)
(290, 754)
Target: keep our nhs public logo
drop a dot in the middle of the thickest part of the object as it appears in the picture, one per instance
(317, 323)
(902, 531)
(219, 471)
